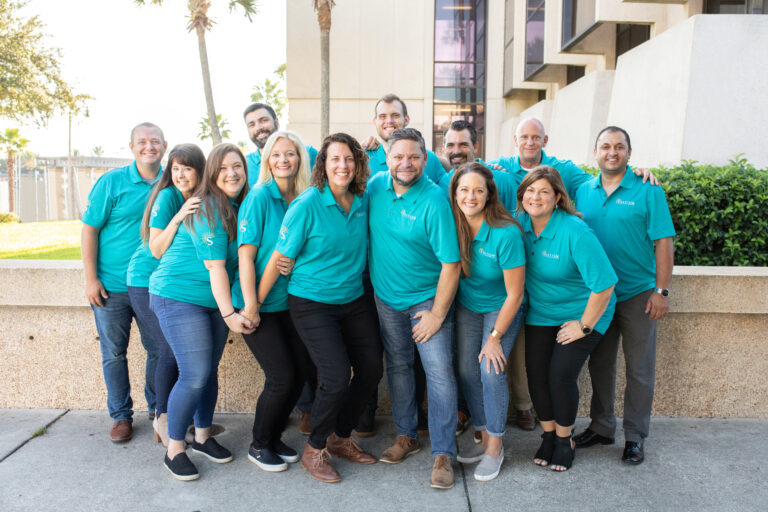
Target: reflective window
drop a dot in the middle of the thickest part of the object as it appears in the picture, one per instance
(736, 7)
(534, 37)
(578, 16)
(459, 82)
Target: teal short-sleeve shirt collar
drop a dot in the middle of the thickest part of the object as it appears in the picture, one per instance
(327, 199)
(549, 230)
(628, 181)
(133, 172)
(412, 194)
(274, 193)
(482, 235)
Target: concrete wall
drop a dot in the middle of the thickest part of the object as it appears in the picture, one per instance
(712, 353)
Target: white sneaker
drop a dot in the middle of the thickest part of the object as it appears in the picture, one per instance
(473, 454)
(489, 467)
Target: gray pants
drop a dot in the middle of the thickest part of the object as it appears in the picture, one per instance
(638, 339)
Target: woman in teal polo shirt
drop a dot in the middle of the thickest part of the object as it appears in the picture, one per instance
(488, 313)
(190, 294)
(283, 175)
(569, 281)
(169, 203)
(326, 231)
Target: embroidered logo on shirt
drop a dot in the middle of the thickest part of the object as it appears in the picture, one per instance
(155, 209)
(404, 214)
(625, 203)
(550, 255)
(208, 238)
(486, 254)
(283, 232)
(243, 225)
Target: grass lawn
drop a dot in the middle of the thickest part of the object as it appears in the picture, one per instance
(59, 240)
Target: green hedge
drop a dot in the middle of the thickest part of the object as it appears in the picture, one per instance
(720, 213)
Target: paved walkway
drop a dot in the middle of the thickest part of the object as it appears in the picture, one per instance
(691, 464)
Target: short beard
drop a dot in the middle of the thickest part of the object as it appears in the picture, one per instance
(261, 142)
(405, 183)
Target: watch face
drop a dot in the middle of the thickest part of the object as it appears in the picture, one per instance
(586, 330)
(664, 293)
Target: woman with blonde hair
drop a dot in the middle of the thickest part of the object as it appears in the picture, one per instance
(283, 175)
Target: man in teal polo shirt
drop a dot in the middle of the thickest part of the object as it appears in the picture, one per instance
(632, 222)
(261, 122)
(460, 147)
(414, 263)
(111, 223)
(390, 114)
(530, 140)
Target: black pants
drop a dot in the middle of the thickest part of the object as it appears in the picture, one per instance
(281, 354)
(338, 336)
(553, 370)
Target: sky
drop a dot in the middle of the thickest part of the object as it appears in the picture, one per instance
(140, 64)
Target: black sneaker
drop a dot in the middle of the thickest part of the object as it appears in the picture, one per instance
(181, 467)
(266, 459)
(213, 450)
(285, 452)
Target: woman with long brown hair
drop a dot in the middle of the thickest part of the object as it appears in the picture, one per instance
(488, 310)
(190, 294)
(569, 281)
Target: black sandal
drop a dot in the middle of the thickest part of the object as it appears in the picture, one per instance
(545, 450)
(563, 454)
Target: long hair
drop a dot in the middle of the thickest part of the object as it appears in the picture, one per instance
(496, 216)
(213, 198)
(362, 171)
(556, 182)
(187, 155)
(301, 178)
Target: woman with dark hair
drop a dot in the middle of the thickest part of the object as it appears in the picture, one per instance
(326, 232)
(569, 281)
(190, 294)
(169, 203)
(488, 312)
(283, 175)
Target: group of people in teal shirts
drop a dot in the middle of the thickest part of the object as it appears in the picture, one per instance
(278, 247)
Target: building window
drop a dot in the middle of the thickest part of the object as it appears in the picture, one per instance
(629, 36)
(459, 84)
(573, 73)
(736, 7)
(534, 37)
(578, 18)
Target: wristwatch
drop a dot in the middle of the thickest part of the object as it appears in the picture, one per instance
(663, 291)
(585, 328)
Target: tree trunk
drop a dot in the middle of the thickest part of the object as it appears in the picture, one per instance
(324, 20)
(212, 121)
(11, 188)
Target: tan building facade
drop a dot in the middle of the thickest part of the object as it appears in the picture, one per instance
(682, 76)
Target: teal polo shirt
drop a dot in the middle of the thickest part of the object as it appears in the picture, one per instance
(410, 236)
(564, 264)
(253, 162)
(181, 274)
(505, 184)
(142, 262)
(116, 206)
(259, 221)
(377, 161)
(493, 251)
(328, 245)
(627, 223)
(573, 176)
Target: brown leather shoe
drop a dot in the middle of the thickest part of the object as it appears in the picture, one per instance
(304, 426)
(403, 447)
(318, 464)
(442, 473)
(461, 423)
(525, 419)
(122, 431)
(347, 448)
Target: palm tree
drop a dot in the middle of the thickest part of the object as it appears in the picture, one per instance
(199, 21)
(11, 143)
(323, 9)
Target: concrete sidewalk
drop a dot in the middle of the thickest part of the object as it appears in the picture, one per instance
(691, 464)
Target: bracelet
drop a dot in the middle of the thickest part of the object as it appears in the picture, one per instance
(229, 315)
(496, 334)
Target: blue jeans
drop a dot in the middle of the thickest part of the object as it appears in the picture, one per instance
(487, 393)
(150, 329)
(437, 359)
(113, 323)
(197, 335)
